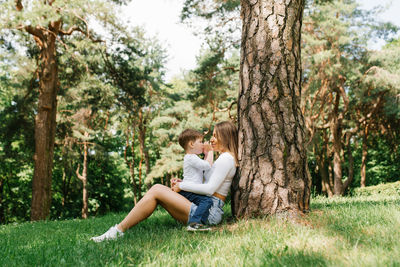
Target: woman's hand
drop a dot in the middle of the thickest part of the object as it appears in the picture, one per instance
(174, 181)
(175, 187)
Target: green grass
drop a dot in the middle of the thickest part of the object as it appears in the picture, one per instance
(358, 231)
(389, 189)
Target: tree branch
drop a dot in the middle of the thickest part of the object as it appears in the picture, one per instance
(78, 174)
(18, 5)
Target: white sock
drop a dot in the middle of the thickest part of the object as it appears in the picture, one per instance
(119, 231)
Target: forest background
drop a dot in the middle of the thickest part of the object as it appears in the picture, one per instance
(118, 118)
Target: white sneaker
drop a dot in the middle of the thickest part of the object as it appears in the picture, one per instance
(112, 233)
(197, 227)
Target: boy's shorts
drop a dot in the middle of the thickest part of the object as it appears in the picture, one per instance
(216, 211)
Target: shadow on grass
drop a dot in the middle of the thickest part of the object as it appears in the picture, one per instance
(294, 258)
(161, 241)
(67, 243)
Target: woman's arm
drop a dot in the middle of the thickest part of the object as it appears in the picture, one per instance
(223, 166)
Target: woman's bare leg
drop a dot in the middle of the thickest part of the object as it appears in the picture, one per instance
(176, 205)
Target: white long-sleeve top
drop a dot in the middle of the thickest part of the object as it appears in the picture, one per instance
(193, 168)
(218, 178)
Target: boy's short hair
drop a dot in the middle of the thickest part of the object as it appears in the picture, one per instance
(188, 135)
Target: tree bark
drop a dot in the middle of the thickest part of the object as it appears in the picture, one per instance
(337, 148)
(144, 153)
(45, 123)
(131, 163)
(323, 171)
(364, 157)
(2, 215)
(273, 175)
(83, 178)
(350, 159)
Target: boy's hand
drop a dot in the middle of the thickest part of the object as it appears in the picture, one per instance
(207, 147)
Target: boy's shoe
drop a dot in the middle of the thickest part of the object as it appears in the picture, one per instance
(194, 227)
(112, 233)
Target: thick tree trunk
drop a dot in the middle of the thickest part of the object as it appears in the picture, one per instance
(273, 176)
(45, 126)
(364, 158)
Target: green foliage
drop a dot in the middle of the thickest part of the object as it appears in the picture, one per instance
(219, 20)
(208, 9)
(382, 161)
(40, 13)
(17, 99)
(338, 65)
(103, 89)
(204, 96)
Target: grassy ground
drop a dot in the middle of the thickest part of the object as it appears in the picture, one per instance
(358, 231)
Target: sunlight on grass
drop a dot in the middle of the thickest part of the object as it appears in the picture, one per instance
(359, 231)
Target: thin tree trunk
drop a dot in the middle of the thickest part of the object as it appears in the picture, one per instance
(323, 171)
(350, 159)
(272, 176)
(64, 198)
(364, 157)
(131, 163)
(337, 148)
(45, 123)
(142, 150)
(83, 178)
(2, 215)
(330, 172)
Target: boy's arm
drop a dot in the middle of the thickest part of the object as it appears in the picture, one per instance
(198, 163)
(223, 166)
(209, 157)
(208, 153)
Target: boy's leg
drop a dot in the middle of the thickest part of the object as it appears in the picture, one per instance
(204, 204)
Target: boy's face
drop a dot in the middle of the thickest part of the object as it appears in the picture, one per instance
(197, 146)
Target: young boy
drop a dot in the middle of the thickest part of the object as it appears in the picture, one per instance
(193, 168)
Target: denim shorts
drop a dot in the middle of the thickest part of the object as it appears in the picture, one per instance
(216, 211)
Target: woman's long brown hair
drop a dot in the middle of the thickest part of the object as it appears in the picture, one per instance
(227, 134)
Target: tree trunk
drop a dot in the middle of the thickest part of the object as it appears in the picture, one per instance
(324, 173)
(364, 157)
(131, 163)
(45, 124)
(66, 180)
(2, 215)
(350, 159)
(340, 187)
(144, 155)
(272, 176)
(83, 178)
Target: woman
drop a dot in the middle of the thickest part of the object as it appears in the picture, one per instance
(218, 182)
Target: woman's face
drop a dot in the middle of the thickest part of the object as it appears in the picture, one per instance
(215, 144)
